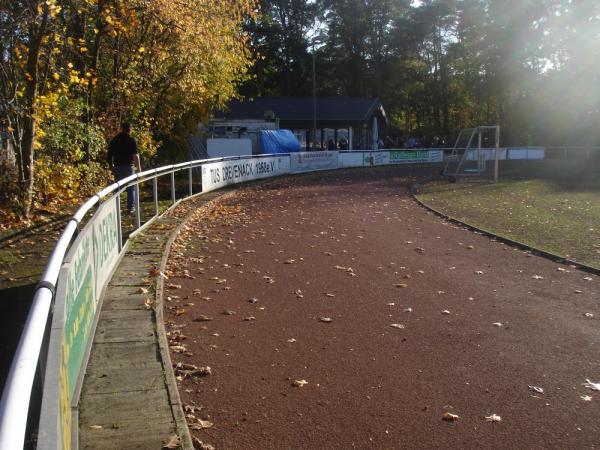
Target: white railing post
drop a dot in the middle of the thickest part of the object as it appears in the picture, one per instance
(155, 194)
(138, 221)
(173, 186)
(119, 225)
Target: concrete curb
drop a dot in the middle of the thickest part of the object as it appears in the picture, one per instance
(536, 251)
(163, 343)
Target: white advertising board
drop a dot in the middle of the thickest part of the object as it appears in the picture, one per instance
(376, 158)
(218, 174)
(490, 154)
(106, 247)
(354, 159)
(313, 161)
(526, 153)
(220, 148)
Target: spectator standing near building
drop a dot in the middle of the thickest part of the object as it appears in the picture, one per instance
(123, 159)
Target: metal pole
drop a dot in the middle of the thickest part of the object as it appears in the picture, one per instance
(119, 230)
(191, 181)
(138, 221)
(480, 163)
(314, 96)
(497, 154)
(155, 194)
(173, 187)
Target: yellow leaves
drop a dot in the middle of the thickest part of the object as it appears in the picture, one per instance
(74, 77)
(141, 50)
(56, 76)
(28, 76)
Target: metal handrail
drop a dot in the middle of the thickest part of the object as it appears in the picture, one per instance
(16, 395)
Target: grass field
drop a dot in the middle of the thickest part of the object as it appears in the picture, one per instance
(551, 205)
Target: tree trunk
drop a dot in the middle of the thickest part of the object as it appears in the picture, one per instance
(93, 67)
(36, 33)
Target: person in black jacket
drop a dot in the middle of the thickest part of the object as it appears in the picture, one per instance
(123, 159)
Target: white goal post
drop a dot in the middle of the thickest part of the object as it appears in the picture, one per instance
(469, 154)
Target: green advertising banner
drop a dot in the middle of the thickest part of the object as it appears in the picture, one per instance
(415, 156)
(87, 269)
(106, 246)
(80, 306)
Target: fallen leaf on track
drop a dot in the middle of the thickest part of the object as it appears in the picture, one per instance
(449, 417)
(397, 325)
(202, 318)
(350, 270)
(199, 445)
(142, 290)
(172, 442)
(299, 383)
(586, 398)
(593, 386)
(325, 319)
(201, 425)
(537, 389)
(493, 418)
(497, 324)
(446, 312)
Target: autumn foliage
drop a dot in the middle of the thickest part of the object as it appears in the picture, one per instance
(72, 70)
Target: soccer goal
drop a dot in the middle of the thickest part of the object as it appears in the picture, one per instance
(475, 154)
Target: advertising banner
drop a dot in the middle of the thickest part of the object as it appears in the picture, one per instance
(313, 161)
(376, 158)
(415, 156)
(106, 247)
(526, 153)
(223, 173)
(354, 159)
(80, 307)
(488, 153)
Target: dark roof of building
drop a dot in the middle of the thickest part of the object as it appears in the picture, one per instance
(339, 109)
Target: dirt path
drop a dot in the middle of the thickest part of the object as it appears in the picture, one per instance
(479, 322)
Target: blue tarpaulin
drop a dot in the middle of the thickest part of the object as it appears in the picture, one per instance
(278, 141)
